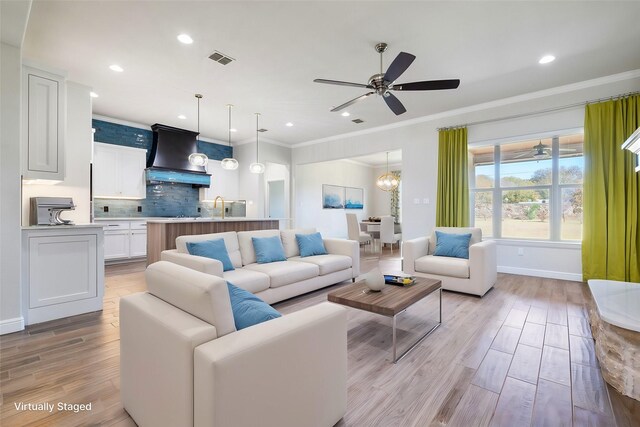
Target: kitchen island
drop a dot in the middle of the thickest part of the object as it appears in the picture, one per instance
(162, 233)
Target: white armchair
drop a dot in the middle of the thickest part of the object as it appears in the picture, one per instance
(475, 275)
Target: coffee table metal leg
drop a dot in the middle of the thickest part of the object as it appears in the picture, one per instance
(394, 337)
(394, 350)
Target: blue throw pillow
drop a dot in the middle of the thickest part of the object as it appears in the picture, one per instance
(215, 249)
(268, 249)
(452, 245)
(248, 309)
(310, 244)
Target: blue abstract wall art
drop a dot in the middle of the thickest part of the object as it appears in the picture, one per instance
(332, 197)
(353, 198)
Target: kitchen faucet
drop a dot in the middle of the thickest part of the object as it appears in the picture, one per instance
(215, 201)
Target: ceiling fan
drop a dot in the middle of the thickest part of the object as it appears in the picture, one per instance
(382, 83)
(541, 151)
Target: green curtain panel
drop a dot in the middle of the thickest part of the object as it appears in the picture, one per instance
(611, 239)
(395, 199)
(452, 204)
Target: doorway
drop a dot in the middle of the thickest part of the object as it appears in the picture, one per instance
(276, 199)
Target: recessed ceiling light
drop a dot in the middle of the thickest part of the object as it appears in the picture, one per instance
(346, 114)
(116, 68)
(182, 117)
(289, 124)
(185, 38)
(546, 59)
(93, 94)
(233, 130)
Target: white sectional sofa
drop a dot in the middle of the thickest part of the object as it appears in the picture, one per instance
(184, 364)
(475, 275)
(275, 281)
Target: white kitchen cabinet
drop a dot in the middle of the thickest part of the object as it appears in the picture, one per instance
(223, 183)
(138, 243)
(118, 172)
(116, 244)
(63, 271)
(124, 239)
(44, 124)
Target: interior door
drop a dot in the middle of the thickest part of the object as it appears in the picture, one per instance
(276, 199)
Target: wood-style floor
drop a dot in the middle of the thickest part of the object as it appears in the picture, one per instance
(522, 355)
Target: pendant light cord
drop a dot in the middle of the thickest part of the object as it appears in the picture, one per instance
(257, 127)
(229, 125)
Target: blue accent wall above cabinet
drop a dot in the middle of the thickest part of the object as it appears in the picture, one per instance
(162, 199)
(129, 136)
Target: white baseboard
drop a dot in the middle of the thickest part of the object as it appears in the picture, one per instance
(8, 326)
(575, 277)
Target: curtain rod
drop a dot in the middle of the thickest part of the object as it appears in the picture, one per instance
(535, 113)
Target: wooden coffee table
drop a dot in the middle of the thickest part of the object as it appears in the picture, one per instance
(391, 301)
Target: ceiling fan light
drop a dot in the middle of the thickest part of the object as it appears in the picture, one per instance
(256, 167)
(229, 163)
(198, 159)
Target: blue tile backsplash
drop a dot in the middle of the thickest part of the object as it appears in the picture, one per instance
(166, 199)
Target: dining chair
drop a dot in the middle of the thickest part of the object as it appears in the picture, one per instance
(387, 232)
(353, 230)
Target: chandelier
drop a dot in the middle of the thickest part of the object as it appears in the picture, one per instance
(388, 181)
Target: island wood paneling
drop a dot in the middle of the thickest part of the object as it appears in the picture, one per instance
(161, 236)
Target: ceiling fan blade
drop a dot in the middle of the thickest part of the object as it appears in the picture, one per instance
(353, 101)
(398, 66)
(570, 150)
(428, 85)
(338, 82)
(521, 155)
(394, 103)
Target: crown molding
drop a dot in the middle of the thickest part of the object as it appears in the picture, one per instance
(572, 87)
(262, 139)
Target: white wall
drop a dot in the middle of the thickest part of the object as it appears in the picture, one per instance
(77, 159)
(418, 141)
(308, 195)
(10, 106)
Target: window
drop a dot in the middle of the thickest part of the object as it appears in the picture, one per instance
(528, 189)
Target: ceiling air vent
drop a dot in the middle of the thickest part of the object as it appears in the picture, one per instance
(357, 121)
(220, 57)
(262, 130)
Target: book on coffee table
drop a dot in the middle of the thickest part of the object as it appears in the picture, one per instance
(399, 279)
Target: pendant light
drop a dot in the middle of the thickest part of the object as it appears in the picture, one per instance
(229, 163)
(198, 159)
(388, 181)
(256, 167)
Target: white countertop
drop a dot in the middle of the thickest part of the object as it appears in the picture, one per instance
(60, 227)
(231, 219)
(618, 303)
(130, 218)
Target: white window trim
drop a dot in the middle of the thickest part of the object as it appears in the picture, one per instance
(555, 193)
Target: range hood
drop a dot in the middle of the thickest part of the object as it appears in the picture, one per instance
(169, 157)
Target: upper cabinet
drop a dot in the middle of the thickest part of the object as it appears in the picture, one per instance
(223, 183)
(118, 172)
(44, 123)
